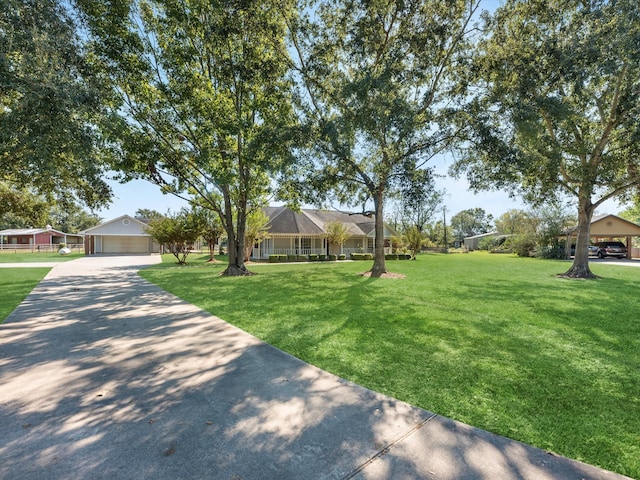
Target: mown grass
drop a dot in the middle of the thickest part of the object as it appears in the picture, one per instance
(498, 342)
(15, 284)
(8, 256)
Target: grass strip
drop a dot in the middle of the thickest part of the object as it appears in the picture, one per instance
(16, 284)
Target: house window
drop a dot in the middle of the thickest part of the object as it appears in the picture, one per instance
(305, 246)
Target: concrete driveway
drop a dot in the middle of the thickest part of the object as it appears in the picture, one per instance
(106, 376)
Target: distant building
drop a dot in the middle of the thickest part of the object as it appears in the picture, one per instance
(36, 238)
(472, 243)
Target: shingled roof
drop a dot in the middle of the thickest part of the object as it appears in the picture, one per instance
(284, 221)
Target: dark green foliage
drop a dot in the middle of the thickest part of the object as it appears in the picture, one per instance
(361, 256)
(332, 257)
(313, 257)
(342, 256)
(50, 105)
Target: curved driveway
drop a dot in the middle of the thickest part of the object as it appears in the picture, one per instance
(106, 376)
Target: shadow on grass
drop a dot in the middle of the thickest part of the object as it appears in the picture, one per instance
(540, 361)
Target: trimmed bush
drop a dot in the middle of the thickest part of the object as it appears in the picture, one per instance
(322, 257)
(302, 258)
(274, 258)
(292, 258)
(391, 256)
(313, 257)
(404, 256)
(362, 256)
(342, 256)
(332, 257)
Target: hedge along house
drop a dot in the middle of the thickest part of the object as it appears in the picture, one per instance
(303, 233)
(607, 227)
(123, 235)
(37, 239)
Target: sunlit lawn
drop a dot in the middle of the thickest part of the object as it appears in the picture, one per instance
(494, 341)
(9, 256)
(15, 284)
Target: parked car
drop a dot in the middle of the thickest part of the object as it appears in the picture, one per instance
(593, 250)
(611, 249)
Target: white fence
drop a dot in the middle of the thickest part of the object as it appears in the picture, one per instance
(41, 247)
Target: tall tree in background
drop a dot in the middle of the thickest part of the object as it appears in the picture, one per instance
(49, 106)
(378, 81)
(470, 222)
(205, 106)
(71, 218)
(559, 105)
(21, 208)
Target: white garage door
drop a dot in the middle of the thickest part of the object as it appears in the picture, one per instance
(118, 244)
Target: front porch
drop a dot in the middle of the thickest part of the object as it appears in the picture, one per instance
(310, 245)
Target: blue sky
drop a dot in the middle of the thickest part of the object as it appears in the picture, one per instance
(140, 194)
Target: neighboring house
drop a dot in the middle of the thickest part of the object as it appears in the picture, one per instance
(472, 243)
(607, 227)
(302, 233)
(124, 234)
(36, 238)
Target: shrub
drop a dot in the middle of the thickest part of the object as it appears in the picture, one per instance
(322, 257)
(342, 256)
(391, 256)
(274, 258)
(362, 256)
(313, 257)
(292, 258)
(302, 258)
(332, 257)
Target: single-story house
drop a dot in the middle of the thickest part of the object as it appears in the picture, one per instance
(32, 238)
(607, 227)
(124, 234)
(303, 233)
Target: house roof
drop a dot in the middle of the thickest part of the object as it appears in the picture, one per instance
(31, 231)
(609, 226)
(122, 225)
(482, 235)
(284, 221)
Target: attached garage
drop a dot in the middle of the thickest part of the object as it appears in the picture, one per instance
(122, 235)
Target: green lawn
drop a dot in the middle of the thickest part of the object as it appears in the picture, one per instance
(495, 341)
(7, 256)
(15, 284)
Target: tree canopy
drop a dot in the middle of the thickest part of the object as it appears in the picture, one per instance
(470, 222)
(377, 87)
(204, 106)
(50, 106)
(557, 106)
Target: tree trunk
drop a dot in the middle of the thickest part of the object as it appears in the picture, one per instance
(379, 265)
(236, 266)
(580, 267)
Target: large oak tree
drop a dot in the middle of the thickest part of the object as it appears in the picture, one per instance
(50, 104)
(379, 78)
(557, 111)
(204, 99)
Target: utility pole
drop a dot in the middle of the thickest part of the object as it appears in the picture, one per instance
(444, 223)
